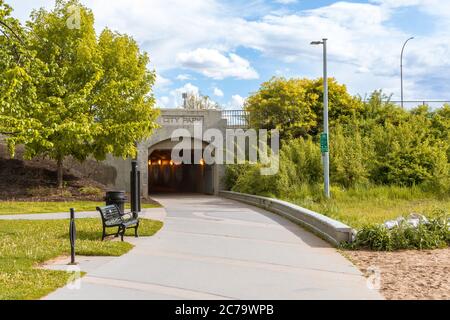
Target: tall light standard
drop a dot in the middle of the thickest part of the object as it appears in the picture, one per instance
(325, 138)
(401, 66)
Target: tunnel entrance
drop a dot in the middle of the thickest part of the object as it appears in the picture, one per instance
(165, 176)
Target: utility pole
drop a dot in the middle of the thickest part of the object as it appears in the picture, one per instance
(401, 67)
(325, 136)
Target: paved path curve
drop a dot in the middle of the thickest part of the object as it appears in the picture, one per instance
(213, 248)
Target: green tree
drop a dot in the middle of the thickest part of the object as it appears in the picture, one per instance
(20, 74)
(122, 98)
(295, 106)
(93, 97)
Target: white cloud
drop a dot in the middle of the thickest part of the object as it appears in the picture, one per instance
(163, 102)
(397, 3)
(218, 92)
(286, 1)
(174, 99)
(213, 64)
(187, 88)
(364, 45)
(237, 102)
(184, 77)
(161, 82)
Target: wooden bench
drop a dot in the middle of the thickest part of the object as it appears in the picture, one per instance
(112, 217)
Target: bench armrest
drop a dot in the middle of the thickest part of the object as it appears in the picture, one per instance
(127, 216)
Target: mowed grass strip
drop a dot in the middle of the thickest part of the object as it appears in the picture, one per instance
(13, 208)
(24, 245)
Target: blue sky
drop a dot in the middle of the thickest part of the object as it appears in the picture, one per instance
(226, 49)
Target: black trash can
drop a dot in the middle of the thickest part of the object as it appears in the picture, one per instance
(118, 198)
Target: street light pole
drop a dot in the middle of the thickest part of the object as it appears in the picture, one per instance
(325, 138)
(401, 68)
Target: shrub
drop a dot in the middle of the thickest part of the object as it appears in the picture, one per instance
(252, 182)
(351, 155)
(232, 174)
(65, 193)
(300, 162)
(91, 191)
(409, 154)
(427, 235)
(300, 165)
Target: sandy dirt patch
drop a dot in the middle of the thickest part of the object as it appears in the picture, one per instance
(408, 275)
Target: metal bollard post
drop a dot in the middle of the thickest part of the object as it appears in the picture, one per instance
(73, 236)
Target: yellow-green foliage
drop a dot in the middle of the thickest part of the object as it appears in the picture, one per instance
(385, 161)
(26, 244)
(294, 106)
(91, 191)
(73, 93)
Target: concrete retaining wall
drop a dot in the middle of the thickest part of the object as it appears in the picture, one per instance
(331, 230)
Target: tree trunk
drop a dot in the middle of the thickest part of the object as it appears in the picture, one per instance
(60, 174)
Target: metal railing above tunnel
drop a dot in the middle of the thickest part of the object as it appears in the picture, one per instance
(236, 119)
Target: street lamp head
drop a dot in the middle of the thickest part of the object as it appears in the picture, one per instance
(315, 43)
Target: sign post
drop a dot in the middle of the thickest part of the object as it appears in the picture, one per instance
(324, 146)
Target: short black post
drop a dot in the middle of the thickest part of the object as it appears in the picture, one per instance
(72, 235)
(139, 191)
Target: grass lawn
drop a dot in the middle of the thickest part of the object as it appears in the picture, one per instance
(376, 205)
(11, 208)
(26, 244)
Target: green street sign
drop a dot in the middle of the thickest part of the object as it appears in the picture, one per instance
(324, 143)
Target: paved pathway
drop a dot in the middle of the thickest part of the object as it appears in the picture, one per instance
(213, 248)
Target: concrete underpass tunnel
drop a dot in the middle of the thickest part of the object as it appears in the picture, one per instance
(165, 176)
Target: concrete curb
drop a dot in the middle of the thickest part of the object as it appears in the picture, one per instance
(331, 230)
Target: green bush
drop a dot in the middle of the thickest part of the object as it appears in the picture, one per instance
(252, 182)
(91, 191)
(351, 157)
(300, 165)
(409, 153)
(300, 162)
(431, 235)
(232, 174)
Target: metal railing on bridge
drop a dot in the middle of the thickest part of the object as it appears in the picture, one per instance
(236, 119)
(409, 104)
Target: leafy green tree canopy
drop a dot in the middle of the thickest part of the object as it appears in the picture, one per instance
(19, 77)
(93, 96)
(295, 106)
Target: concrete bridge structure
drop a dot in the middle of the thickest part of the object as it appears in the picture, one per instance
(158, 172)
